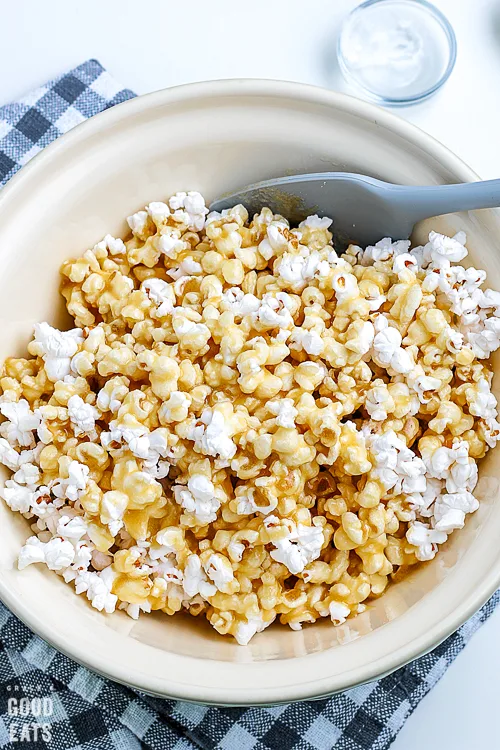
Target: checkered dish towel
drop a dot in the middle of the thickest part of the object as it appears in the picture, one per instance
(87, 712)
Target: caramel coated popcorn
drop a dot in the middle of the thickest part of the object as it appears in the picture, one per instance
(244, 423)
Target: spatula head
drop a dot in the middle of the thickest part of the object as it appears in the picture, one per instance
(361, 207)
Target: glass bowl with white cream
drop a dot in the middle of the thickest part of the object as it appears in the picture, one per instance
(396, 52)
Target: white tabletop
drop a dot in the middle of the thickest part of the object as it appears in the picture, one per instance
(152, 44)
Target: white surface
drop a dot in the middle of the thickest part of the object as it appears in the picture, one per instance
(151, 44)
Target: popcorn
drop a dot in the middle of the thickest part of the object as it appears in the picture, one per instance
(187, 267)
(113, 244)
(489, 299)
(338, 612)
(274, 241)
(403, 263)
(28, 473)
(44, 507)
(383, 250)
(97, 587)
(189, 208)
(310, 374)
(113, 506)
(246, 503)
(454, 466)
(110, 397)
(491, 431)
(21, 421)
(33, 551)
(315, 222)
(186, 328)
(246, 424)
(138, 223)
(486, 340)
(274, 311)
(387, 349)
(159, 212)
(460, 286)
(425, 539)
(440, 251)
(219, 570)
(57, 554)
(396, 466)
(285, 412)
(175, 408)
(296, 270)
(82, 416)
(83, 556)
(239, 303)
(135, 437)
(306, 340)
(379, 402)
(423, 385)
(160, 292)
(149, 446)
(301, 546)
(195, 579)
(74, 483)
(450, 510)
(462, 474)
(482, 403)
(199, 499)
(8, 455)
(360, 337)
(211, 435)
(246, 629)
(170, 243)
(375, 300)
(17, 497)
(56, 348)
(72, 528)
(345, 286)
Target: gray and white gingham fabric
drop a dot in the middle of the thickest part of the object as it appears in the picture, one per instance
(37, 119)
(87, 712)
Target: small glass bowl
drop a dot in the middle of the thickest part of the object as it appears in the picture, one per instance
(396, 52)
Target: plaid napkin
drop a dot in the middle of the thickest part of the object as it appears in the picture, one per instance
(48, 701)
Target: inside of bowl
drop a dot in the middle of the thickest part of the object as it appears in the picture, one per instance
(214, 145)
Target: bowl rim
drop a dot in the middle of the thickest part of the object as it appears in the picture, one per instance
(221, 695)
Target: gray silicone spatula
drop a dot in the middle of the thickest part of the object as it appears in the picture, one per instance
(363, 209)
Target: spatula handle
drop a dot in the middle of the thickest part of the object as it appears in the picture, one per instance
(435, 200)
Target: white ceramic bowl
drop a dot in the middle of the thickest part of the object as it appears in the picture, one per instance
(215, 137)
